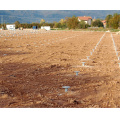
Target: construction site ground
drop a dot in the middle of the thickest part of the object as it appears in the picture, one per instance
(35, 65)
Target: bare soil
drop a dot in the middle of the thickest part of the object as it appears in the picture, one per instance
(35, 65)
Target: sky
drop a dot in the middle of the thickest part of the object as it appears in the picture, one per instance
(59, 5)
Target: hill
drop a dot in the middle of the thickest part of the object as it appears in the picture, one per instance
(29, 16)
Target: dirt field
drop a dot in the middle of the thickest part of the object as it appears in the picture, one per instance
(35, 65)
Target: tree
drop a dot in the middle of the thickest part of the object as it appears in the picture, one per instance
(57, 25)
(63, 23)
(114, 22)
(16, 24)
(82, 25)
(115, 14)
(110, 24)
(108, 17)
(72, 23)
(97, 23)
(42, 21)
(4, 26)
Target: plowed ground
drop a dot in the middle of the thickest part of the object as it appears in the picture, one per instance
(34, 66)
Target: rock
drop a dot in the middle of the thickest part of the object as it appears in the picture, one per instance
(76, 102)
(93, 62)
(55, 66)
(4, 96)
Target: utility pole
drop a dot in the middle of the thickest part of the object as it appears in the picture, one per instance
(2, 20)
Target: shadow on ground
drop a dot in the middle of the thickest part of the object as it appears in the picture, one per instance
(31, 85)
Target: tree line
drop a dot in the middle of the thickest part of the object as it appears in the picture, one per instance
(73, 23)
(68, 22)
(113, 21)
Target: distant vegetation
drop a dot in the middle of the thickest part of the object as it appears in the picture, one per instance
(112, 22)
(97, 23)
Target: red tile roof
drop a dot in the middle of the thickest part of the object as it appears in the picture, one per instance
(103, 21)
(84, 18)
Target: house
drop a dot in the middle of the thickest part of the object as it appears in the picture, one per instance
(104, 23)
(87, 19)
(10, 27)
(45, 27)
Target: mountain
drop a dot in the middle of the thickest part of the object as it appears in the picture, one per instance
(29, 16)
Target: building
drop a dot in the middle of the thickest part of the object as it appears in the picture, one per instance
(35, 27)
(10, 27)
(104, 23)
(45, 27)
(87, 19)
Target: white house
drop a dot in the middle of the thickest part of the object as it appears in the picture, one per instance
(45, 27)
(87, 19)
(10, 27)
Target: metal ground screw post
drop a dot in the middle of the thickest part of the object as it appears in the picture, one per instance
(88, 57)
(76, 72)
(90, 53)
(117, 53)
(66, 88)
(119, 64)
(83, 63)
